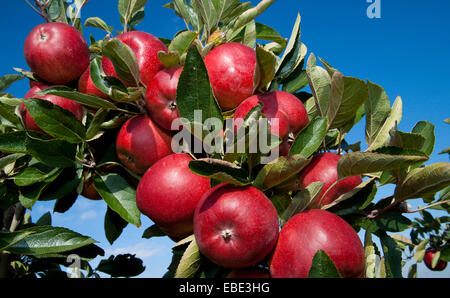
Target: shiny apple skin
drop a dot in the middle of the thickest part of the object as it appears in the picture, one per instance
(87, 86)
(428, 260)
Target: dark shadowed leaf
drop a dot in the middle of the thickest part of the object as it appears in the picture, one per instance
(125, 265)
(220, 170)
(153, 231)
(114, 225)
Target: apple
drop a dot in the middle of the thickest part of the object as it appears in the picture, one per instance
(310, 231)
(235, 227)
(169, 192)
(161, 96)
(146, 47)
(87, 86)
(323, 168)
(56, 52)
(140, 143)
(249, 272)
(231, 68)
(428, 259)
(287, 108)
(75, 108)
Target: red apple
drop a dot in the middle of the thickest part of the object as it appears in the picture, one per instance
(56, 52)
(235, 227)
(140, 143)
(161, 96)
(87, 86)
(323, 168)
(428, 259)
(249, 272)
(310, 231)
(169, 192)
(231, 69)
(146, 47)
(287, 108)
(72, 106)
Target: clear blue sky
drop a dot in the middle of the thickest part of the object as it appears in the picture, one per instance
(406, 52)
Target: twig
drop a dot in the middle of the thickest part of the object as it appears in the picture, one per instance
(77, 16)
(429, 206)
(35, 9)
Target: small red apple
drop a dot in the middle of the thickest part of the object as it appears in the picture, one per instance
(169, 192)
(310, 231)
(323, 168)
(87, 86)
(140, 143)
(72, 106)
(146, 47)
(56, 52)
(231, 69)
(428, 259)
(286, 108)
(161, 96)
(249, 272)
(235, 227)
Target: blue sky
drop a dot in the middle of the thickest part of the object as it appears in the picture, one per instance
(406, 51)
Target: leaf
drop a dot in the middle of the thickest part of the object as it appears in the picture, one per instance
(420, 250)
(301, 200)
(426, 130)
(56, 121)
(98, 23)
(8, 239)
(119, 196)
(45, 219)
(310, 138)
(422, 182)
(251, 14)
(323, 267)
(393, 256)
(194, 91)
(48, 240)
(36, 173)
(169, 59)
(114, 225)
(207, 11)
(266, 65)
(393, 222)
(9, 159)
(124, 265)
(382, 137)
(377, 110)
(8, 80)
(190, 261)
(53, 153)
(320, 85)
(8, 113)
(94, 126)
(153, 231)
(182, 42)
(357, 163)
(30, 194)
(278, 171)
(82, 98)
(219, 170)
(264, 32)
(124, 60)
(13, 142)
(296, 81)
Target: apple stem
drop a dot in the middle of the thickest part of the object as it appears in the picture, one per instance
(37, 11)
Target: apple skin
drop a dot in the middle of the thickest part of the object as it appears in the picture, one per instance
(428, 260)
(323, 168)
(146, 47)
(56, 52)
(140, 143)
(309, 231)
(161, 96)
(75, 108)
(249, 272)
(235, 227)
(231, 69)
(169, 192)
(87, 86)
(287, 108)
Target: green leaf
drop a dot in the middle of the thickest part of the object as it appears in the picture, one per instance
(190, 261)
(251, 14)
(207, 12)
(219, 170)
(53, 153)
(49, 240)
(377, 110)
(194, 91)
(9, 114)
(9, 159)
(182, 42)
(296, 81)
(124, 265)
(357, 163)
(13, 142)
(422, 182)
(301, 200)
(114, 225)
(119, 196)
(320, 85)
(45, 219)
(323, 267)
(36, 173)
(124, 60)
(280, 170)
(94, 126)
(8, 80)
(281, 201)
(393, 222)
(426, 130)
(393, 256)
(106, 84)
(98, 23)
(266, 66)
(169, 59)
(310, 138)
(264, 32)
(56, 121)
(8, 239)
(82, 98)
(127, 8)
(153, 231)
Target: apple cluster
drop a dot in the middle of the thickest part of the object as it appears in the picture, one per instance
(234, 226)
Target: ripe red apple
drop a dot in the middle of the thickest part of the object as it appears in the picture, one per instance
(306, 233)
(87, 86)
(140, 143)
(231, 69)
(161, 96)
(235, 227)
(169, 192)
(146, 47)
(428, 259)
(323, 168)
(249, 272)
(287, 108)
(72, 106)
(56, 52)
